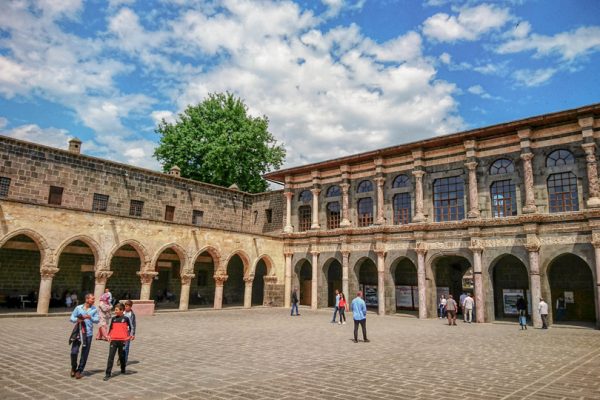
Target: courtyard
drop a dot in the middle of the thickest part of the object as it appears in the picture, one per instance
(266, 354)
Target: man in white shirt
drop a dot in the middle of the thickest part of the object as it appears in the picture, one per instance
(543, 309)
(461, 302)
(468, 303)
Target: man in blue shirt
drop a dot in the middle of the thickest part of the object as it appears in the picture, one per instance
(336, 308)
(359, 313)
(85, 316)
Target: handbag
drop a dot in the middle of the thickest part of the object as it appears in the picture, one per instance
(75, 335)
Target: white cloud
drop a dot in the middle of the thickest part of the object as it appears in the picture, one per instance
(469, 24)
(334, 7)
(445, 58)
(567, 45)
(531, 78)
(159, 115)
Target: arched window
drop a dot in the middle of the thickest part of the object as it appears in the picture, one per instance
(333, 215)
(334, 191)
(504, 200)
(448, 199)
(304, 218)
(562, 192)
(401, 181)
(365, 187)
(560, 157)
(502, 166)
(305, 197)
(365, 211)
(402, 208)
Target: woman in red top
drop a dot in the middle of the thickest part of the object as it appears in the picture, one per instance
(342, 307)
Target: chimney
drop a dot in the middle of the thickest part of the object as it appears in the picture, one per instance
(175, 171)
(75, 145)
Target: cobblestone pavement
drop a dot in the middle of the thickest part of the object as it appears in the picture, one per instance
(266, 354)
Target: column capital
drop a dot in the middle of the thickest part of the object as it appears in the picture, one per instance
(421, 248)
(476, 249)
(270, 279)
(589, 148)
(345, 253)
(380, 252)
(249, 279)
(186, 279)
(288, 253)
(471, 165)
(315, 253)
(380, 180)
(147, 276)
(48, 271)
(220, 279)
(315, 191)
(102, 276)
(288, 195)
(526, 156)
(345, 187)
(418, 173)
(533, 244)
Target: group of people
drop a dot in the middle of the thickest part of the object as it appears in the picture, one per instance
(118, 330)
(448, 308)
(358, 306)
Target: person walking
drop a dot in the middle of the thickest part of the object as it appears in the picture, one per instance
(337, 304)
(131, 315)
(110, 296)
(84, 316)
(442, 307)
(118, 335)
(522, 310)
(451, 308)
(543, 310)
(359, 314)
(561, 308)
(343, 307)
(461, 302)
(468, 304)
(104, 308)
(294, 302)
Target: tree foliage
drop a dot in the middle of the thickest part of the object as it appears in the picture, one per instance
(217, 142)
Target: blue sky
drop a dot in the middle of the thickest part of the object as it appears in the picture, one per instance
(334, 77)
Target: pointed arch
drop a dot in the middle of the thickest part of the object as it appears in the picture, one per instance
(245, 261)
(45, 251)
(99, 259)
(141, 250)
(268, 263)
(213, 251)
(180, 251)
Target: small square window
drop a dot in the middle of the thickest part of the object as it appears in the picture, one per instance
(100, 202)
(4, 185)
(135, 208)
(55, 196)
(197, 217)
(169, 213)
(269, 215)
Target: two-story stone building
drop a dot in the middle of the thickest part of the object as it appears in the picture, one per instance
(502, 211)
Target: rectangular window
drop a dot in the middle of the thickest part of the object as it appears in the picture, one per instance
(55, 196)
(197, 217)
(333, 215)
(169, 213)
(269, 215)
(504, 200)
(402, 208)
(448, 199)
(304, 218)
(100, 202)
(365, 212)
(135, 208)
(4, 185)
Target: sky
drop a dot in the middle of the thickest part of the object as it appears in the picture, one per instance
(334, 77)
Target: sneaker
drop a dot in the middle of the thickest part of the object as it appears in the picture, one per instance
(78, 375)
(72, 373)
(366, 340)
(344, 323)
(106, 377)
(339, 323)
(355, 341)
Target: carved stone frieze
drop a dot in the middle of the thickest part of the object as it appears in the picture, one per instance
(186, 279)
(102, 276)
(48, 271)
(147, 276)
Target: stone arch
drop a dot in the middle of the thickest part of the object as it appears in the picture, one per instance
(77, 269)
(459, 261)
(402, 272)
(331, 278)
(364, 278)
(167, 283)
(268, 264)
(141, 250)
(512, 275)
(180, 251)
(245, 260)
(301, 279)
(202, 286)
(237, 268)
(262, 267)
(213, 251)
(47, 255)
(99, 259)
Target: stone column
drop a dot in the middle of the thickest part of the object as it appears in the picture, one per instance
(596, 244)
(345, 206)
(419, 214)
(535, 286)
(315, 210)
(530, 206)
(219, 282)
(314, 283)
(380, 282)
(421, 250)
(146, 277)
(288, 280)
(478, 281)
(380, 203)
(288, 212)
(592, 173)
(473, 196)
(47, 273)
(248, 291)
(345, 266)
(101, 279)
(184, 297)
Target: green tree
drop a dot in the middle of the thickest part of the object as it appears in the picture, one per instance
(217, 142)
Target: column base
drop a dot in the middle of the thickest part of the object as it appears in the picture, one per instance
(288, 229)
(380, 222)
(345, 224)
(529, 209)
(315, 226)
(473, 214)
(593, 202)
(419, 218)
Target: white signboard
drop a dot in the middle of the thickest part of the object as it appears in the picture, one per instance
(370, 292)
(404, 296)
(569, 297)
(510, 297)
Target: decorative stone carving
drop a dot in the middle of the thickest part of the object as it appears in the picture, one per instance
(249, 279)
(102, 277)
(48, 271)
(345, 205)
(530, 206)
(473, 197)
(147, 277)
(220, 279)
(419, 214)
(533, 244)
(421, 248)
(186, 279)
(592, 173)
(270, 280)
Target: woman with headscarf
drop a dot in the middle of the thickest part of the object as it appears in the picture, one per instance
(104, 313)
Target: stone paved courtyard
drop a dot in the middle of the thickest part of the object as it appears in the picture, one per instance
(265, 354)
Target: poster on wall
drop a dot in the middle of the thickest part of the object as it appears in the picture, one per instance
(510, 297)
(569, 297)
(370, 292)
(415, 297)
(404, 297)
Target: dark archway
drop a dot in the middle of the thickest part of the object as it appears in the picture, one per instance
(570, 277)
(76, 273)
(451, 275)
(20, 259)
(510, 280)
(367, 281)
(167, 284)
(233, 290)
(404, 273)
(334, 280)
(258, 284)
(303, 281)
(124, 283)
(202, 292)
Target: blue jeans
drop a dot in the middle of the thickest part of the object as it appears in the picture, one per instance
(126, 350)
(85, 351)
(335, 311)
(294, 306)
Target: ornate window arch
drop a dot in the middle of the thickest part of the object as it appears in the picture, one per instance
(502, 166)
(560, 157)
(365, 186)
(562, 192)
(334, 191)
(401, 181)
(305, 197)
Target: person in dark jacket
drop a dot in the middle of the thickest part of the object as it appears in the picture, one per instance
(118, 334)
(294, 301)
(522, 309)
(131, 315)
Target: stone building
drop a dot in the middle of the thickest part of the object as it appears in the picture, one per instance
(502, 211)
(511, 209)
